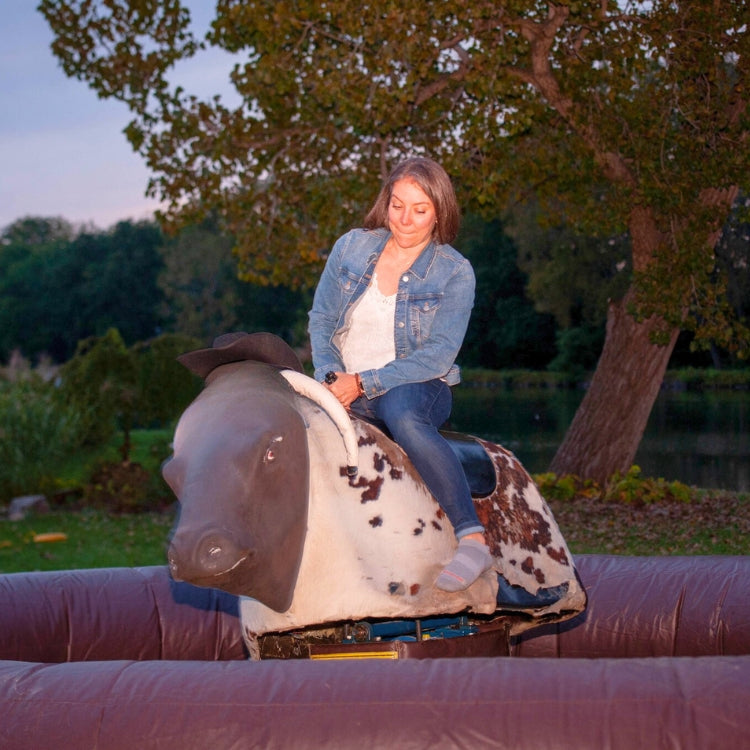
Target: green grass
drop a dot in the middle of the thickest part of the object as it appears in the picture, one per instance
(645, 520)
(95, 539)
(709, 524)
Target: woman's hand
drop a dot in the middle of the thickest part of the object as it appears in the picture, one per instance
(345, 387)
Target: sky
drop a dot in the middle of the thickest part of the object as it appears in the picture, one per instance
(62, 149)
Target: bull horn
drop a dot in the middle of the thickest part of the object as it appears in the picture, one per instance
(310, 388)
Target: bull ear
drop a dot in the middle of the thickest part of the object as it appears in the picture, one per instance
(310, 388)
(173, 472)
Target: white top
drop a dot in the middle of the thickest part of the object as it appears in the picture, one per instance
(366, 343)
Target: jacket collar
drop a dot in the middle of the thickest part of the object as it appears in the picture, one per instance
(421, 266)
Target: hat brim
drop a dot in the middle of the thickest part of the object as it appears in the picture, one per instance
(256, 347)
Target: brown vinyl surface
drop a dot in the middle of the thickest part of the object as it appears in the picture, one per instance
(128, 659)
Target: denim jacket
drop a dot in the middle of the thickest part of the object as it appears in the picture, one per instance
(433, 305)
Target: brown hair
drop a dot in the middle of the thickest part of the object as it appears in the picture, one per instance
(434, 180)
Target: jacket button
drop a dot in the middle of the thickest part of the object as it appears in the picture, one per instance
(404, 278)
(400, 323)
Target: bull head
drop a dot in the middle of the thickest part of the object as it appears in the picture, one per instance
(240, 470)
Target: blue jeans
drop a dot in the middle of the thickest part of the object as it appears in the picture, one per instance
(412, 413)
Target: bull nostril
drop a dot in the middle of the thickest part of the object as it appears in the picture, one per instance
(193, 556)
(216, 554)
(174, 566)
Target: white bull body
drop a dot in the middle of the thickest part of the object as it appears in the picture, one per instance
(375, 542)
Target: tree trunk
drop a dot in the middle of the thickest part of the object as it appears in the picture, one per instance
(609, 424)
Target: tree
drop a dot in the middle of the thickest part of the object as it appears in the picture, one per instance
(58, 287)
(616, 116)
(120, 287)
(504, 330)
(203, 296)
(572, 277)
(28, 248)
(100, 381)
(199, 283)
(733, 252)
(33, 231)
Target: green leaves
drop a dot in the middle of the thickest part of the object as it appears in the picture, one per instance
(122, 49)
(603, 113)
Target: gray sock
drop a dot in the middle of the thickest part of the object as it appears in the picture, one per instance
(472, 558)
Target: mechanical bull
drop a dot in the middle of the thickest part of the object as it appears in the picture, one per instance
(314, 517)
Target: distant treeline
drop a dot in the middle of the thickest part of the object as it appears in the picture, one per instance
(540, 303)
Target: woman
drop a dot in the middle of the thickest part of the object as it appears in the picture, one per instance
(388, 319)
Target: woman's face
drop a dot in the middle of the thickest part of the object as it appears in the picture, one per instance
(411, 215)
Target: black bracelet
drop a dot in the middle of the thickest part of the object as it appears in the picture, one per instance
(331, 377)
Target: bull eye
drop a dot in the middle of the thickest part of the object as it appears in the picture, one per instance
(271, 451)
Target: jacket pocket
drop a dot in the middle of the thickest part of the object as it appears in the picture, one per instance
(422, 310)
(347, 281)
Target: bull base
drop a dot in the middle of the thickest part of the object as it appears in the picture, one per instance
(430, 638)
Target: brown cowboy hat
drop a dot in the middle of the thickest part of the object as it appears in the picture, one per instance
(239, 347)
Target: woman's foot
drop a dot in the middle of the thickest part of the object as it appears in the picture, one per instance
(472, 558)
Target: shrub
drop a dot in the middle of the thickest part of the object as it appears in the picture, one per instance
(566, 487)
(634, 489)
(100, 382)
(37, 430)
(125, 487)
(630, 488)
(165, 387)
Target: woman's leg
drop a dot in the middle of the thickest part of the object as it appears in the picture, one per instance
(413, 413)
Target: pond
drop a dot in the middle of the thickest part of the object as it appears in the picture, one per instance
(701, 439)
